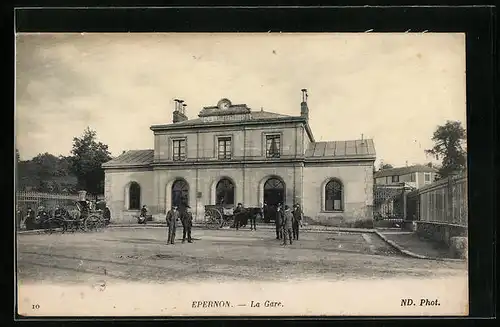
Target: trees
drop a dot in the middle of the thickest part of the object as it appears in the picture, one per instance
(79, 171)
(87, 157)
(449, 141)
(45, 173)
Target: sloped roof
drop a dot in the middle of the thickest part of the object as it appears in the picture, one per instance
(399, 171)
(254, 116)
(267, 115)
(132, 158)
(360, 149)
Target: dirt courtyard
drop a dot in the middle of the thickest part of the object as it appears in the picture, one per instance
(141, 254)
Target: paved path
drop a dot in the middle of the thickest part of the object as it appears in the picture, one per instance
(411, 242)
(142, 254)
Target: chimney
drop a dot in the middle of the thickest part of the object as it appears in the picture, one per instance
(304, 109)
(179, 113)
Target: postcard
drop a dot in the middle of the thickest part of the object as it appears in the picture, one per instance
(241, 174)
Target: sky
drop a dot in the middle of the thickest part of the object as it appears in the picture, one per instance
(394, 88)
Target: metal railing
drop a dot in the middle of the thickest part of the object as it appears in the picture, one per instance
(444, 201)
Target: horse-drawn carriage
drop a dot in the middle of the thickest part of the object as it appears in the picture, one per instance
(82, 217)
(218, 216)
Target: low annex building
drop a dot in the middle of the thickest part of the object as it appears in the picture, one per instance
(233, 154)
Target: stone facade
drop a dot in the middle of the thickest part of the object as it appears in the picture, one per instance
(303, 166)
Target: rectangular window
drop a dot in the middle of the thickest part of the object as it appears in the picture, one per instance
(395, 179)
(412, 177)
(427, 178)
(179, 150)
(224, 148)
(273, 145)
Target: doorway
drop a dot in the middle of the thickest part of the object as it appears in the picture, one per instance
(274, 194)
(180, 193)
(224, 192)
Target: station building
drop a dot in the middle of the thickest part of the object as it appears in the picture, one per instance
(234, 154)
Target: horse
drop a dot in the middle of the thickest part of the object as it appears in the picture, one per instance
(244, 216)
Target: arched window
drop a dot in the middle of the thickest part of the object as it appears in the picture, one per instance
(180, 193)
(134, 196)
(333, 196)
(225, 191)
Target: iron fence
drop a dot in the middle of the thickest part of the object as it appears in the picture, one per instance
(388, 201)
(33, 200)
(444, 201)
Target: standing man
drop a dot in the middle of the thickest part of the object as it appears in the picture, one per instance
(278, 221)
(187, 223)
(29, 220)
(238, 215)
(287, 225)
(265, 210)
(297, 221)
(19, 218)
(42, 217)
(107, 215)
(253, 218)
(172, 217)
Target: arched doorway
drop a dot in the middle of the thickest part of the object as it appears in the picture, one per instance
(180, 193)
(274, 191)
(224, 191)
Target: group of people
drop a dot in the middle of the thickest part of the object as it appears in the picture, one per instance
(185, 217)
(287, 221)
(36, 219)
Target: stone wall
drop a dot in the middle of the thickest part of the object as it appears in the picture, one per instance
(442, 233)
(303, 185)
(357, 182)
(117, 183)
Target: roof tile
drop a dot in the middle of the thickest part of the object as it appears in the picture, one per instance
(255, 115)
(131, 158)
(341, 149)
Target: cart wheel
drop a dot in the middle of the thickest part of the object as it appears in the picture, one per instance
(213, 219)
(93, 222)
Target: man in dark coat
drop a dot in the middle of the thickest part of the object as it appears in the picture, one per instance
(143, 216)
(29, 221)
(238, 215)
(297, 221)
(59, 214)
(172, 217)
(106, 215)
(42, 217)
(278, 220)
(265, 210)
(187, 223)
(19, 218)
(256, 215)
(287, 225)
